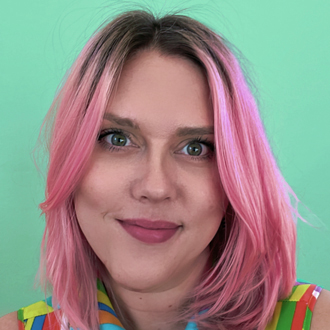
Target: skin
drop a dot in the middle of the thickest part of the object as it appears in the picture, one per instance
(154, 177)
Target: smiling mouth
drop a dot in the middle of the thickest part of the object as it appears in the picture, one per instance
(150, 232)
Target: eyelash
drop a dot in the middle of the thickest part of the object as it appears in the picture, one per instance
(111, 148)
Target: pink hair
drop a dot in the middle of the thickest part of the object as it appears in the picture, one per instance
(254, 254)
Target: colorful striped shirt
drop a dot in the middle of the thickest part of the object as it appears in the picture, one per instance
(295, 312)
(292, 313)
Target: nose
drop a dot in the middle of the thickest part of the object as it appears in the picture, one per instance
(154, 179)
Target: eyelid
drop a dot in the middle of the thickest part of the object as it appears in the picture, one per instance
(105, 132)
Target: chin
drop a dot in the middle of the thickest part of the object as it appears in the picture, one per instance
(141, 281)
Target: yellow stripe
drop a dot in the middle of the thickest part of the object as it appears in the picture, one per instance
(273, 324)
(103, 298)
(28, 324)
(299, 292)
(39, 308)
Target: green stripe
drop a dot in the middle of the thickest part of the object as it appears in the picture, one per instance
(286, 316)
(20, 314)
(101, 287)
(303, 281)
(308, 319)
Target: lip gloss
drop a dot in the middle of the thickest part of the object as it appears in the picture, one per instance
(151, 232)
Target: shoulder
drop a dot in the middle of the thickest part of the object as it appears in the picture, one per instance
(308, 304)
(37, 316)
(9, 322)
(321, 313)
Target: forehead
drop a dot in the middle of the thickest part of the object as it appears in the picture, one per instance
(164, 90)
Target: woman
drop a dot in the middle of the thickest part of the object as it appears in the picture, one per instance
(162, 195)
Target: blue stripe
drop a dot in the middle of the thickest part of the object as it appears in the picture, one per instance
(38, 322)
(49, 301)
(106, 308)
(191, 326)
(107, 326)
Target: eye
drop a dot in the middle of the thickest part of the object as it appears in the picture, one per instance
(114, 139)
(194, 149)
(199, 149)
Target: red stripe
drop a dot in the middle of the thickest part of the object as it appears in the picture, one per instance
(51, 322)
(307, 295)
(311, 303)
(20, 325)
(299, 315)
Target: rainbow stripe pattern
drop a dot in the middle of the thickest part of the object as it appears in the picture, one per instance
(295, 312)
(292, 313)
(41, 316)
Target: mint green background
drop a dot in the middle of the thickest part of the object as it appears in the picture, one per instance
(287, 44)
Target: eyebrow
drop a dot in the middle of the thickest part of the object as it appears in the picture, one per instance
(182, 131)
(120, 121)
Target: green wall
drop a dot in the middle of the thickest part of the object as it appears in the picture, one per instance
(287, 45)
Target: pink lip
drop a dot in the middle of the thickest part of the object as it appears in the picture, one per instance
(149, 231)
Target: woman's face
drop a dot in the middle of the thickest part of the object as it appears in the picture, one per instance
(151, 200)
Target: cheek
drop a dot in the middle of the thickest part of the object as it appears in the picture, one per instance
(208, 192)
(207, 204)
(99, 189)
(94, 199)
(216, 202)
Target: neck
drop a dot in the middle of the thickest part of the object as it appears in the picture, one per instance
(154, 309)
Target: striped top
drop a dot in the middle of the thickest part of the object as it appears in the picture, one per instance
(292, 313)
(295, 312)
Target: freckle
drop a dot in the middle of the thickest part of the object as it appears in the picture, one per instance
(169, 306)
(140, 298)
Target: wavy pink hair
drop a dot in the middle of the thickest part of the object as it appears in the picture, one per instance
(254, 254)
